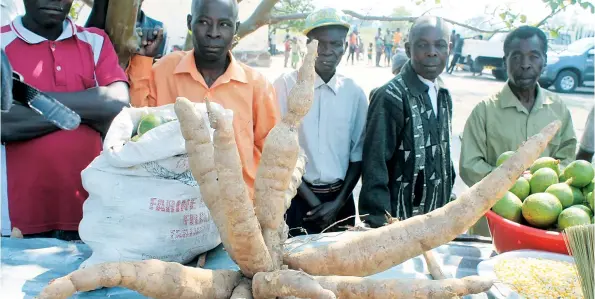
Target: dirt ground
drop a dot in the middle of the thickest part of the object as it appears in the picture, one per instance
(466, 92)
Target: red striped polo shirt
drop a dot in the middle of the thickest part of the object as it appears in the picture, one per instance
(44, 174)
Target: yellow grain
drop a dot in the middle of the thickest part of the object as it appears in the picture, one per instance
(539, 278)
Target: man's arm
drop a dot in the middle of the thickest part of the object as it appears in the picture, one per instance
(98, 14)
(380, 141)
(587, 147)
(566, 152)
(97, 106)
(473, 166)
(21, 124)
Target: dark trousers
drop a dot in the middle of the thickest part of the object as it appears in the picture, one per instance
(299, 207)
(453, 62)
(57, 234)
(378, 56)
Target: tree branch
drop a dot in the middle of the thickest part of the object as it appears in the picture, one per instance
(261, 16)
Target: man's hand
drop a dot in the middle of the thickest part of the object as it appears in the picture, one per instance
(151, 39)
(324, 214)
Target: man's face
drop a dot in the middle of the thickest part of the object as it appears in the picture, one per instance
(330, 48)
(213, 26)
(48, 13)
(525, 61)
(428, 51)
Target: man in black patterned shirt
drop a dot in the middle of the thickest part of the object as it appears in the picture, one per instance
(407, 168)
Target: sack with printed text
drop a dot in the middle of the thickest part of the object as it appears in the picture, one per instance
(143, 201)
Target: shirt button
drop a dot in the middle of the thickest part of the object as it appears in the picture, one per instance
(53, 46)
(58, 68)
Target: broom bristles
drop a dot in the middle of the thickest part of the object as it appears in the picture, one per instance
(579, 241)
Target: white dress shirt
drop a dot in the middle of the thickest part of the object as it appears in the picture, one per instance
(331, 133)
(432, 92)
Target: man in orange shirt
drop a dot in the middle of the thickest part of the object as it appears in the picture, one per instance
(209, 71)
(397, 38)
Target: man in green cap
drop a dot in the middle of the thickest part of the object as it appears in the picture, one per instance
(330, 134)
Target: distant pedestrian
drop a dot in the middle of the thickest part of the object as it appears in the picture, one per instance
(458, 50)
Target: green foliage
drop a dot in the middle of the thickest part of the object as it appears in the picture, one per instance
(288, 7)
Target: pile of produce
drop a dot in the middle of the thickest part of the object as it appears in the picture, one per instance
(254, 233)
(539, 278)
(547, 197)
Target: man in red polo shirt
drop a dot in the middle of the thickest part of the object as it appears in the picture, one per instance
(79, 67)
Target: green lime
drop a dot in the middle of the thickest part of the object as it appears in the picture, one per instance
(541, 210)
(509, 207)
(573, 216)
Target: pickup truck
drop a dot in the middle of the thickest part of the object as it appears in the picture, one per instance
(571, 68)
(486, 54)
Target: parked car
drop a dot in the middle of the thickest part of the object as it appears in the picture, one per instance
(482, 54)
(571, 68)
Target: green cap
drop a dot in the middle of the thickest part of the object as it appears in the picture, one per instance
(325, 17)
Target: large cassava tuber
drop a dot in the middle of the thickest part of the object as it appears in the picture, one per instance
(232, 210)
(279, 157)
(152, 278)
(377, 250)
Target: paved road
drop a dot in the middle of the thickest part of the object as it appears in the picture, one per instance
(466, 91)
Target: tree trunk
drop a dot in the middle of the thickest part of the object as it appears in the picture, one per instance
(121, 28)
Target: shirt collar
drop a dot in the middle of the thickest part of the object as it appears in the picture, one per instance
(234, 70)
(333, 84)
(28, 36)
(508, 99)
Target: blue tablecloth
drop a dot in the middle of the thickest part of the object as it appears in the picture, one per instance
(28, 265)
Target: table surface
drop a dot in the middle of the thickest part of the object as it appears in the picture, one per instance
(28, 265)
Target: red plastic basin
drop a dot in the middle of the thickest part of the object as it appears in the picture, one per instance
(508, 236)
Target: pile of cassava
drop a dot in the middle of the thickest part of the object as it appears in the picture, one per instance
(254, 233)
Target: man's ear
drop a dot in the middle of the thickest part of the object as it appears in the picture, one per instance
(407, 50)
(189, 22)
(237, 27)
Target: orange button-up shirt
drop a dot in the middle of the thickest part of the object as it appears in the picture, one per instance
(242, 89)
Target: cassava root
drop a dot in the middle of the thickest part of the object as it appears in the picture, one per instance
(346, 287)
(284, 283)
(279, 156)
(226, 195)
(377, 250)
(152, 278)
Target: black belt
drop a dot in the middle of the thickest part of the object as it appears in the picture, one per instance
(334, 187)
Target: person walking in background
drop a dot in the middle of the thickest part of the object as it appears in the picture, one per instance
(388, 47)
(295, 53)
(370, 50)
(453, 40)
(379, 49)
(352, 46)
(360, 48)
(397, 37)
(287, 53)
(458, 50)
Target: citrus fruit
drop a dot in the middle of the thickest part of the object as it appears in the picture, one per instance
(509, 207)
(563, 192)
(579, 198)
(503, 157)
(584, 208)
(542, 179)
(573, 216)
(148, 122)
(546, 162)
(590, 201)
(521, 188)
(541, 210)
(579, 173)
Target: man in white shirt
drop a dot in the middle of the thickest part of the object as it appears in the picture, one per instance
(330, 134)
